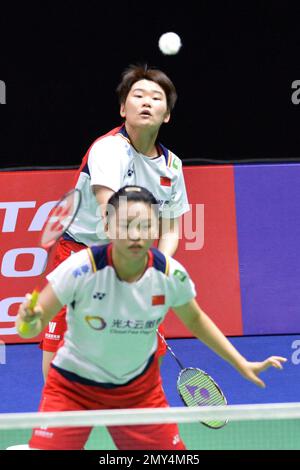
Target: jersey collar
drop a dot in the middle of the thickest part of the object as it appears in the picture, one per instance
(160, 148)
(110, 260)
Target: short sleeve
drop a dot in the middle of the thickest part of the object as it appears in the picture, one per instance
(66, 279)
(182, 287)
(104, 164)
(178, 204)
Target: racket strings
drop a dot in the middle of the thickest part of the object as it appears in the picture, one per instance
(198, 389)
(61, 217)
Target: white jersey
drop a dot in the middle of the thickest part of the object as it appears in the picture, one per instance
(113, 162)
(111, 324)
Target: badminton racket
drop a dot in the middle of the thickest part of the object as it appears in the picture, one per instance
(197, 388)
(58, 221)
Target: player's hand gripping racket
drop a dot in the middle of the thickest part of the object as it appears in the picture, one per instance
(197, 388)
(59, 220)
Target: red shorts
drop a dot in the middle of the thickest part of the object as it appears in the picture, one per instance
(55, 330)
(61, 394)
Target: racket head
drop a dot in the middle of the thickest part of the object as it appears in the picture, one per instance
(60, 218)
(197, 388)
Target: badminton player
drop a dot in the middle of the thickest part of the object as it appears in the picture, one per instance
(129, 154)
(117, 295)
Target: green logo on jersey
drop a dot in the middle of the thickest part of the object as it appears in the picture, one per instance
(180, 274)
(175, 163)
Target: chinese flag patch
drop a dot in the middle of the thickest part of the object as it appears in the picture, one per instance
(158, 300)
(165, 181)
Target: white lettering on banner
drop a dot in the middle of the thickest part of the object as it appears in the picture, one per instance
(2, 353)
(5, 305)
(296, 353)
(41, 216)
(12, 211)
(8, 268)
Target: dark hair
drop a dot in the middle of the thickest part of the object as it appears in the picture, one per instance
(132, 193)
(134, 73)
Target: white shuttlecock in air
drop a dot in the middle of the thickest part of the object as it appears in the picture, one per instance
(169, 43)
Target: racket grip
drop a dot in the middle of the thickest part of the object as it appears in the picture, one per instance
(24, 328)
(34, 299)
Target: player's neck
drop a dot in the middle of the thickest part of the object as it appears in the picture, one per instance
(143, 141)
(129, 270)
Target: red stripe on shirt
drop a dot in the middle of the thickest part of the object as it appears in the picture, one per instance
(85, 158)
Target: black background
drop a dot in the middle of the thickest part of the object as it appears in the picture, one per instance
(61, 62)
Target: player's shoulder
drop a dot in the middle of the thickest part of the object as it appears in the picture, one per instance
(167, 265)
(77, 266)
(111, 140)
(79, 263)
(100, 256)
(159, 261)
(173, 162)
(86, 262)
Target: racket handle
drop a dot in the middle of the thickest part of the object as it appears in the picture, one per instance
(34, 299)
(24, 328)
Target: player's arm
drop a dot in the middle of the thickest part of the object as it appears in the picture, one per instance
(102, 194)
(198, 322)
(168, 235)
(31, 322)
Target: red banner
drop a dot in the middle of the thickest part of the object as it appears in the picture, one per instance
(208, 248)
(212, 261)
(25, 201)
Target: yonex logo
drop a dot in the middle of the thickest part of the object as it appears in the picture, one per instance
(130, 172)
(52, 326)
(196, 391)
(99, 295)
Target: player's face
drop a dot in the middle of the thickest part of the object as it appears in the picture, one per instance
(145, 105)
(133, 229)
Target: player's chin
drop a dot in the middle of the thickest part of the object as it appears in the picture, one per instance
(148, 122)
(144, 124)
(136, 252)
